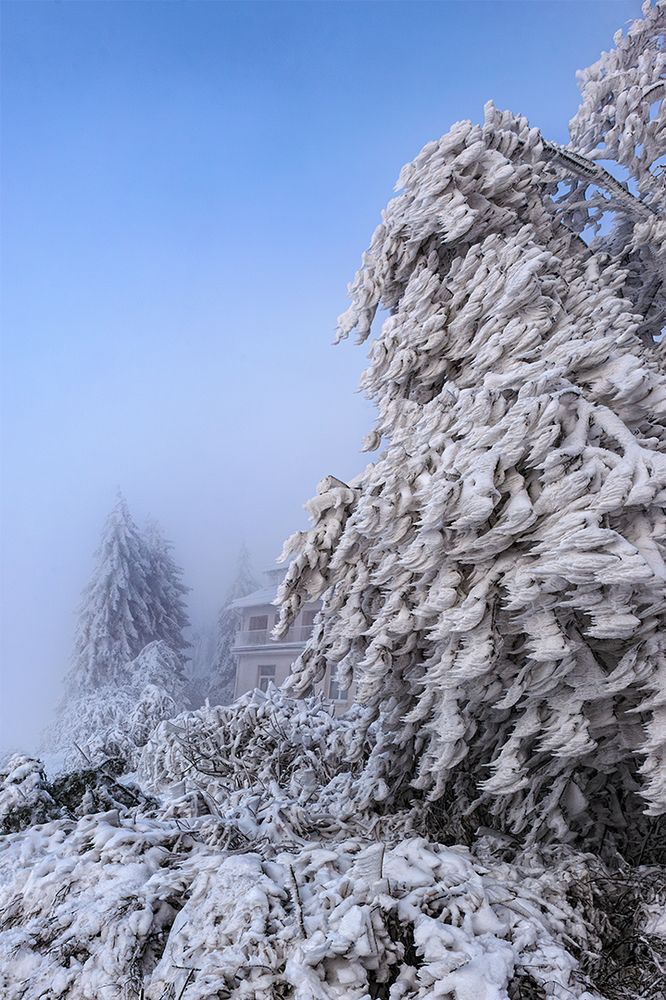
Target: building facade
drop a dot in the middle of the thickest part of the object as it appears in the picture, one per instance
(261, 659)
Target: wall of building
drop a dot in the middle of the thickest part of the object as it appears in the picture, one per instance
(260, 658)
(247, 673)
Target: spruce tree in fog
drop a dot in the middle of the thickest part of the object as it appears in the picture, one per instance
(117, 617)
(167, 592)
(129, 657)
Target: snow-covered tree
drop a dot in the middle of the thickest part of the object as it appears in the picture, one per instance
(495, 582)
(116, 719)
(167, 592)
(223, 676)
(128, 669)
(116, 618)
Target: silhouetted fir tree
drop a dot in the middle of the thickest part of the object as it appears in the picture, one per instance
(167, 603)
(223, 678)
(116, 617)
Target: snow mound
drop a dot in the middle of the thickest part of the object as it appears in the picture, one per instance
(120, 907)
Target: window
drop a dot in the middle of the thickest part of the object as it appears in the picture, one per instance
(307, 622)
(265, 674)
(258, 623)
(335, 692)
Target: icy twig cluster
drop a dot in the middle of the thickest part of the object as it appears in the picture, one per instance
(269, 767)
(621, 114)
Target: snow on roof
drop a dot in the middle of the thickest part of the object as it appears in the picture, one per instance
(267, 594)
(258, 597)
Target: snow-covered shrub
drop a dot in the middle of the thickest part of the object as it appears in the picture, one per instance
(24, 794)
(117, 719)
(87, 905)
(97, 789)
(109, 907)
(28, 798)
(270, 766)
(495, 582)
(263, 736)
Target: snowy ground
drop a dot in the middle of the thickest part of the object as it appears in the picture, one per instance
(249, 877)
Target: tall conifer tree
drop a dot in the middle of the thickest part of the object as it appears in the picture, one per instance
(495, 581)
(116, 618)
(168, 610)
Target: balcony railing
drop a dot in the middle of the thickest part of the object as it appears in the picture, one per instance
(261, 637)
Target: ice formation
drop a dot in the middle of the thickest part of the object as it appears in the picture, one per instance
(494, 583)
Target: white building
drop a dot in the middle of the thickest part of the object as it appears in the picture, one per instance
(260, 658)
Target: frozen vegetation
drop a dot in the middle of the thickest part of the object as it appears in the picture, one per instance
(128, 670)
(487, 822)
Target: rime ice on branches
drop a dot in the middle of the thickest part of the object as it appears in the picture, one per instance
(494, 582)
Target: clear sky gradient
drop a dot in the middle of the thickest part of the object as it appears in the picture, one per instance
(187, 189)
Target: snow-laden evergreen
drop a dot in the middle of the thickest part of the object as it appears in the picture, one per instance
(167, 592)
(620, 118)
(128, 667)
(494, 582)
(116, 617)
(621, 125)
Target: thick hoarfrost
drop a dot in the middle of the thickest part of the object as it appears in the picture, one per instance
(495, 582)
(621, 116)
(129, 905)
(86, 904)
(247, 876)
(272, 766)
(344, 920)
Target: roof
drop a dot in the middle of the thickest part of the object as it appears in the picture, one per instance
(264, 597)
(268, 594)
(258, 598)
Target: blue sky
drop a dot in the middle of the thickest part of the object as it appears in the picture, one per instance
(186, 191)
